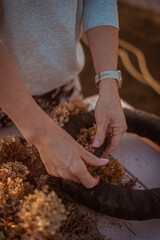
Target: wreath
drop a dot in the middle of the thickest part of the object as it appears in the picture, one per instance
(116, 201)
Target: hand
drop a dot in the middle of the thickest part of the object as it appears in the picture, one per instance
(110, 119)
(64, 157)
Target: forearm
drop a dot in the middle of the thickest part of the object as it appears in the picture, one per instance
(103, 43)
(110, 120)
(16, 101)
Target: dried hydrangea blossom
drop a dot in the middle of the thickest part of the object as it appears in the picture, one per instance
(112, 173)
(44, 212)
(42, 215)
(61, 113)
(13, 170)
(13, 182)
(12, 149)
(13, 179)
(84, 138)
(41, 181)
(9, 230)
(13, 187)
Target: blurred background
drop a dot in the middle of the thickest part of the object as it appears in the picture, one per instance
(139, 55)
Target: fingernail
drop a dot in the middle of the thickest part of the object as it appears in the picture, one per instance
(96, 143)
(105, 160)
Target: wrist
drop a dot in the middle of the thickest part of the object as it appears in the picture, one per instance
(109, 75)
(38, 129)
(108, 91)
(108, 85)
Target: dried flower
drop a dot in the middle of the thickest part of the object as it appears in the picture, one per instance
(84, 138)
(62, 112)
(13, 187)
(13, 181)
(112, 173)
(13, 170)
(42, 214)
(12, 149)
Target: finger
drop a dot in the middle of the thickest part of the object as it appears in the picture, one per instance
(84, 176)
(114, 142)
(115, 137)
(52, 172)
(88, 180)
(67, 176)
(93, 134)
(92, 137)
(50, 168)
(108, 131)
(100, 133)
(92, 160)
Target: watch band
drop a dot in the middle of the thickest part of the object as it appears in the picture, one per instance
(109, 74)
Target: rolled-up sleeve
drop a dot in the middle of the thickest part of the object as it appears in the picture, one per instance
(99, 13)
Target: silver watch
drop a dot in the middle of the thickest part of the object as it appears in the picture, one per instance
(109, 74)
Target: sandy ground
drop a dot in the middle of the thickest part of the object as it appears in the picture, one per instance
(140, 27)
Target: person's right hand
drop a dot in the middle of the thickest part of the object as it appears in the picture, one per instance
(64, 157)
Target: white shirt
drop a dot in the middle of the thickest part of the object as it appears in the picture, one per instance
(42, 37)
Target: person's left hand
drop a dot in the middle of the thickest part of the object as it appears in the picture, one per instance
(110, 119)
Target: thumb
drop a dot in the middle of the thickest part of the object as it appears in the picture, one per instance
(92, 160)
(100, 135)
